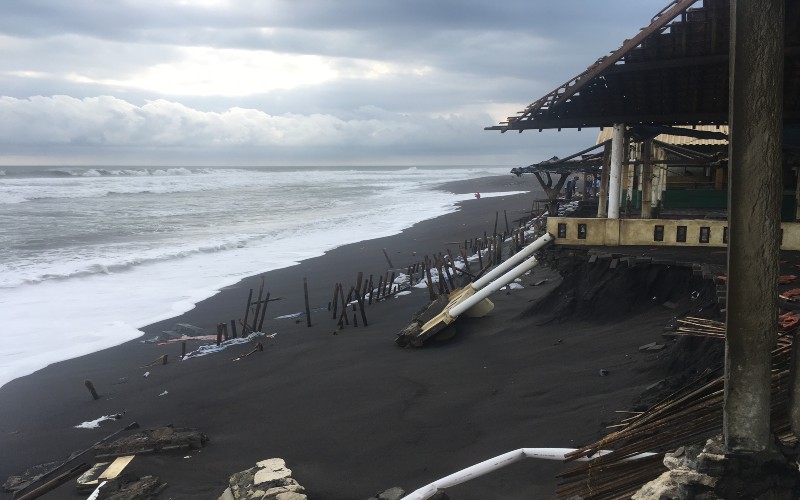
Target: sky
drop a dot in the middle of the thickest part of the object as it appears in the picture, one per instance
(294, 82)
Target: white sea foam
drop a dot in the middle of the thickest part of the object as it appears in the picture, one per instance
(85, 261)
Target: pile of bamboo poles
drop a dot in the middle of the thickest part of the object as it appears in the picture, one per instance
(689, 416)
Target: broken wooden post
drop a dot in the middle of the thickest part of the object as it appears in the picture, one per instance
(233, 328)
(308, 308)
(183, 349)
(219, 333)
(505, 215)
(224, 330)
(247, 313)
(360, 299)
(447, 272)
(335, 299)
(387, 258)
(371, 289)
(263, 313)
(258, 304)
(380, 286)
(429, 279)
(89, 385)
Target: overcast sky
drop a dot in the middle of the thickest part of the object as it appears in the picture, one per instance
(293, 82)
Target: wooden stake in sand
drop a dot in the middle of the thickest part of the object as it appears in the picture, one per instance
(263, 313)
(335, 298)
(387, 258)
(233, 328)
(89, 385)
(308, 308)
(258, 304)
(360, 298)
(247, 313)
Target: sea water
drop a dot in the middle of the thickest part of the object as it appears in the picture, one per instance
(90, 255)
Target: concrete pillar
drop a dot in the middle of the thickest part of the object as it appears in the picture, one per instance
(602, 197)
(647, 180)
(797, 195)
(614, 177)
(754, 191)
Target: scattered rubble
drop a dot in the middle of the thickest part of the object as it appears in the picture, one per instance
(706, 472)
(122, 488)
(159, 440)
(269, 480)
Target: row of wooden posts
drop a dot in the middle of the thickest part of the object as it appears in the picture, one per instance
(489, 250)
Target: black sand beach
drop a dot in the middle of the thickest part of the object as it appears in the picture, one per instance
(353, 414)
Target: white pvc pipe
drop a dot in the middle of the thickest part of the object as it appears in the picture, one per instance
(492, 287)
(617, 153)
(512, 261)
(501, 461)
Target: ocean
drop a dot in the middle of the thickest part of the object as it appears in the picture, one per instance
(90, 255)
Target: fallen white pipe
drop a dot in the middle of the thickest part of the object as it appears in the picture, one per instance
(492, 287)
(512, 261)
(498, 462)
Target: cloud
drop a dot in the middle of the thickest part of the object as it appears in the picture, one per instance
(291, 80)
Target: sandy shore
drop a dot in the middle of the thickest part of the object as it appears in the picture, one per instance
(352, 414)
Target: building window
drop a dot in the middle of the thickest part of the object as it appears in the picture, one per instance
(562, 229)
(705, 234)
(725, 235)
(658, 233)
(581, 231)
(680, 237)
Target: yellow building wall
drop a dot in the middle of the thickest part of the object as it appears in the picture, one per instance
(622, 232)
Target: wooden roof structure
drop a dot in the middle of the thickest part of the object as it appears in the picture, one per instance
(673, 72)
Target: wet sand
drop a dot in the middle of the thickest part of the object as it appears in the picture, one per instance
(352, 414)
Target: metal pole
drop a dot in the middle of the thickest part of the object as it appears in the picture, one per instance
(754, 194)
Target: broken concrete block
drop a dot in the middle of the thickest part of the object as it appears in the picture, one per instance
(269, 480)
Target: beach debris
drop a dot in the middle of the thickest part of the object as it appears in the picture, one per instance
(126, 488)
(471, 300)
(652, 346)
(40, 472)
(205, 350)
(394, 493)
(55, 482)
(89, 385)
(94, 424)
(146, 374)
(258, 348)
(158, 440)
(102, 472)
(164, 393)
(430, 490)
(269, 480)
(159, 360)
(604, 372)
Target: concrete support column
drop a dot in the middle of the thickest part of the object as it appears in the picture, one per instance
(754, 194)
(614, 177)
(602, 196)
(797, 195)
(647, 180)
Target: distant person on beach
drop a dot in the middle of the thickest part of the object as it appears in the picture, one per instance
(572, 185)
(597, 185)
